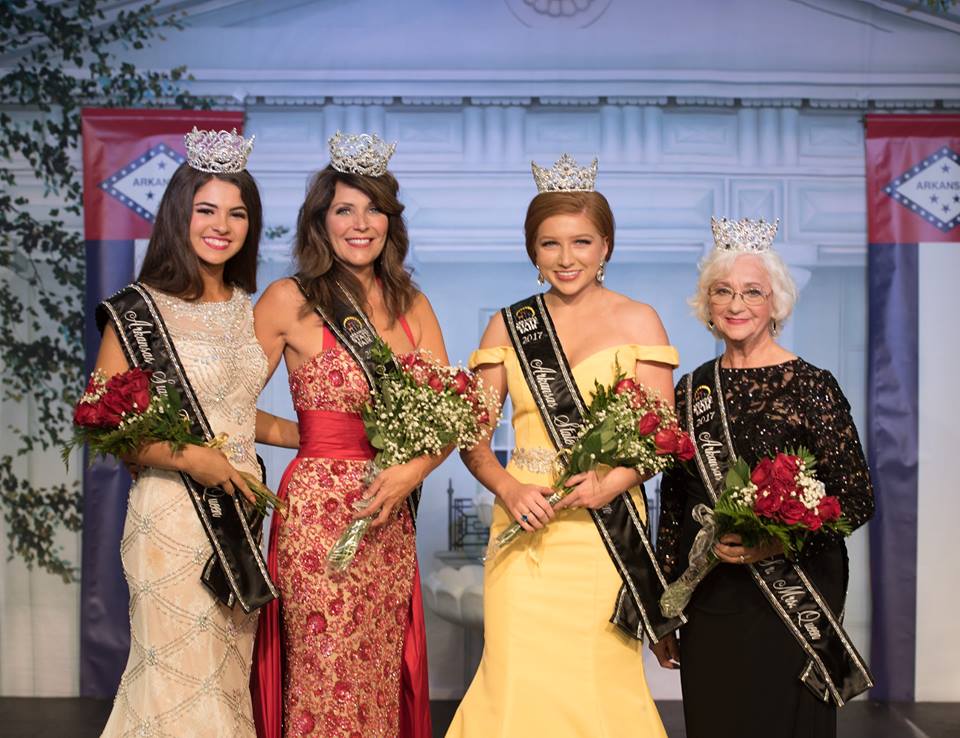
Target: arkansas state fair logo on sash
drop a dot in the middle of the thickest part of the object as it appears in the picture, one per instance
(931, 189)
(527, 323)
(141, 183)
(357, 331)
(702, 403)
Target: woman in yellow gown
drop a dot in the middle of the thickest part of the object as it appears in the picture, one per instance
(553, 663)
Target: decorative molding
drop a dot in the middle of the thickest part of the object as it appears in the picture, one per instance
(501, 101)
(771, 102)
(569, 100)
(427, 100)
(721, 101)
(362, 100)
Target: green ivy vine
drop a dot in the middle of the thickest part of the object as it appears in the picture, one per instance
(56, 57)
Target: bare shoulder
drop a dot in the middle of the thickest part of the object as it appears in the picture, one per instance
(496, 332)
(640, 321)
(282, 294)
(421, 307)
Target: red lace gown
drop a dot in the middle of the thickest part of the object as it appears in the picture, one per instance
(351, 647)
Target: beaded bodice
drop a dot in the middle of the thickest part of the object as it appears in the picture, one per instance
(225, 364)
(771, 409)
(330, 380)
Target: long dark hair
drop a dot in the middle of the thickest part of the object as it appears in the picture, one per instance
(170, 264)
(318, 266)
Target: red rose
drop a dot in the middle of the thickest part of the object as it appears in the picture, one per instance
(829, 509)
(460, 382)
(785, 468)
(648, 423)
(625, 385)
(767, 503)
(666, 441)
(87, 414)
(133, 386)
(435, 383)
(483, 418)
(812, 521)
(762, 473)
(111, 408)
(685, 449)
(408, 360)
(792, 511)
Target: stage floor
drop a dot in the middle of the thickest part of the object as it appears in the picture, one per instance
(22, 717)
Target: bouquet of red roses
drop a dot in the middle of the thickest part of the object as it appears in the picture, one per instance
(419, 407)
(626, 425)
(120, 415)
(779, 499)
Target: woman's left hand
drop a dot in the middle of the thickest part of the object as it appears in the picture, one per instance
(730, 550)
(390, 488)
(589, 491)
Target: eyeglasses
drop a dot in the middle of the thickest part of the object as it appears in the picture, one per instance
(751, 297)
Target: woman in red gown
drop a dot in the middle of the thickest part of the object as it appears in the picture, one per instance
(351, 645)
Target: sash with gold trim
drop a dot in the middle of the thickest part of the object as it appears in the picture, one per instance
(354, 331)
(562, 409)
(236, 571)
(834, 669)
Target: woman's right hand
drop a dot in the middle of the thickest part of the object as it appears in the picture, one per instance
(528, 505)
(211, 468)
(667, 651)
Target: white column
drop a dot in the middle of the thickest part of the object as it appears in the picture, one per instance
(632, 133)
(652, 137)
(747, 119)
(472, 134)
(611, 133)
(375, 117)
(769, 136)
(515, 120)
(493, 130)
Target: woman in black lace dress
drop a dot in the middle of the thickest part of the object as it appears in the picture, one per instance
(740, 666)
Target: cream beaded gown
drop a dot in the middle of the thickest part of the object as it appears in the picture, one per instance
(189, 666)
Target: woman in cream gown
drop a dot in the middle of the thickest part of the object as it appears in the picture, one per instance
(553, 663)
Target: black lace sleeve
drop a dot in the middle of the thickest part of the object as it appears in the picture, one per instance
(841, 465)
(673, 497)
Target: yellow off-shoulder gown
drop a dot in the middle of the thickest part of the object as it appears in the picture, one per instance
(553, 665)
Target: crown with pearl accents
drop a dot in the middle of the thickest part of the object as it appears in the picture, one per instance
(360, 153)
(565, 176)
(217, 152)
(746, 235)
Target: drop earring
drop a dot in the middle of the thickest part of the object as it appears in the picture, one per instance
(601, 272)
(540, 279)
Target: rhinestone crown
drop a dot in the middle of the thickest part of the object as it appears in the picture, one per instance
(360, 153)
(217, 152)
(565, 176)
(749, 236)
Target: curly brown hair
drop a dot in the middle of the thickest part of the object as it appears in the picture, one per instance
(317, 265)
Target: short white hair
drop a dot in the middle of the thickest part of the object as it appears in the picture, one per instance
(718, 263)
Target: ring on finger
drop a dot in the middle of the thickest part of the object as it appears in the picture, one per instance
(525, 518)
(743, 559)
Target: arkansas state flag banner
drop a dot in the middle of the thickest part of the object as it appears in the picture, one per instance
(128, 158)
(913, 192)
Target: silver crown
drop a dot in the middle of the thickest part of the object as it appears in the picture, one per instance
(565, 176)
(217, 152)
(749, 236)
(360, 153)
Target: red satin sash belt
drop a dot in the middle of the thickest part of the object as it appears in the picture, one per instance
(333, 435)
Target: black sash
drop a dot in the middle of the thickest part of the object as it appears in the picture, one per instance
(236, 570)
(834, 669)
(562, 409)
(353, 329)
